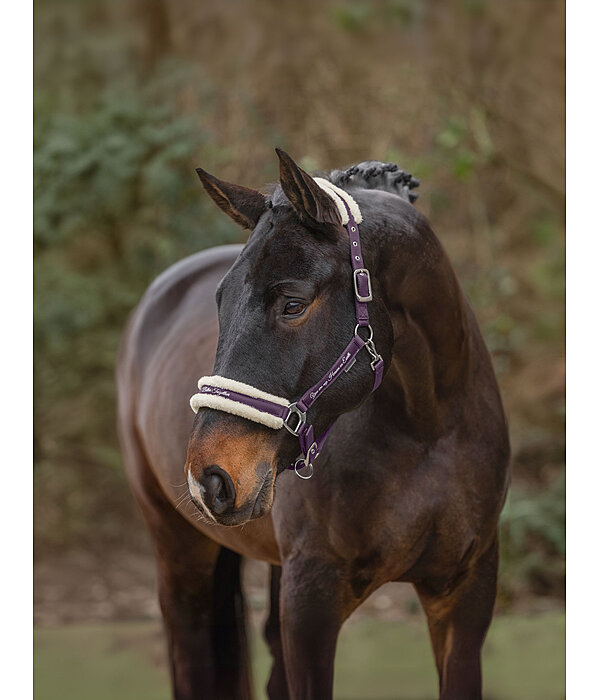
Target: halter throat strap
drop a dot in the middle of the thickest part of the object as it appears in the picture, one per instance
(246, 401)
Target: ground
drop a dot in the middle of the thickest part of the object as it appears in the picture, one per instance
(98, 634)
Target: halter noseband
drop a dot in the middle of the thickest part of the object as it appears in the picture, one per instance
(276, 412)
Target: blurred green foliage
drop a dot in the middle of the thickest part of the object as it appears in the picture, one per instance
(532, 537)
(117, 202)
(131, 96)
(356, 15)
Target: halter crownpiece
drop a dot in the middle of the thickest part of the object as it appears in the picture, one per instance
(240, 399)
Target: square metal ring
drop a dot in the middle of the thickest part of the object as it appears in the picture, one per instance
(293, 410)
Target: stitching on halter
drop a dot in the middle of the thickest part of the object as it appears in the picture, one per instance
(241, 387)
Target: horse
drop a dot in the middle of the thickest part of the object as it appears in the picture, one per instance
(408, 486)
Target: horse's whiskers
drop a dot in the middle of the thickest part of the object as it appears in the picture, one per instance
(184, 498)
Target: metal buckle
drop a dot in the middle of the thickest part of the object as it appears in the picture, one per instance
(294, 410)
(364, 271)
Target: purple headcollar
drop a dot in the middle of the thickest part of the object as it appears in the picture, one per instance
(276, 412)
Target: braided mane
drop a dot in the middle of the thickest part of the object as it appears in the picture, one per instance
(374, 175)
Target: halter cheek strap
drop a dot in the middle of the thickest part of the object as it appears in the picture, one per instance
(231, 396)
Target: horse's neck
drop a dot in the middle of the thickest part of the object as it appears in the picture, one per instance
(432, 327)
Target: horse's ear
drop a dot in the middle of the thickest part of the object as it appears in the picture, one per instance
(314, 206)
(243, 205)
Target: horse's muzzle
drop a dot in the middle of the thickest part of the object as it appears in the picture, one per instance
(215, 495)
(230, 469)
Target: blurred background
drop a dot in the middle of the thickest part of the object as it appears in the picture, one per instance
(130, 96)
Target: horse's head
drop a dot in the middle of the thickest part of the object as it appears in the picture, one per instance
(286, 312)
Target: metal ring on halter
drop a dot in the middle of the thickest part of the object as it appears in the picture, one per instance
(370, 338)
(294, 410)
(303, 460)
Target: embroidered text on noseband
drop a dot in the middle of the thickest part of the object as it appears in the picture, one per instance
(223, 394)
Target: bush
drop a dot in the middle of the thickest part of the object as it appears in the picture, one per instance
(117, 201)
(532, 541)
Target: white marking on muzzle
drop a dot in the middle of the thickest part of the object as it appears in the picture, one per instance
(197, 492)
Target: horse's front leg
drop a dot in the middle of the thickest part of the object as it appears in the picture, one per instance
(314, 602)
(277, 686)
(458, 621)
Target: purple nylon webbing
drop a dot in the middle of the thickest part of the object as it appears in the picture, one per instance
(344, 362)
(356, 258)
(307, 440)
(310, 447)
(378, 369)
(263, 405)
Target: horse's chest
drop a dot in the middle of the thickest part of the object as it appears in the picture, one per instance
(384, 524)
(385, 535)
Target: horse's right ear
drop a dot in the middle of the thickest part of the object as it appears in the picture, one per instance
(244, 205)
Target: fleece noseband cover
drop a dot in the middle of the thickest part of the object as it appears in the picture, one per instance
(225, 394)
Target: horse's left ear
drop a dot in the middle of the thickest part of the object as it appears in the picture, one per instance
(243, 205)
(314, 207)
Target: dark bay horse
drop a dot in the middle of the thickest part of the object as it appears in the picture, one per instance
(409, 485)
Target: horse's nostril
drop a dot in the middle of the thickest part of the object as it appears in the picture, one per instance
(219, 490)
(216, 492)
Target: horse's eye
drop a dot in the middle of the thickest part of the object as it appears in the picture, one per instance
(294, 308)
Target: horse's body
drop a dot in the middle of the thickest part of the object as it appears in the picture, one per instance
(408, 488)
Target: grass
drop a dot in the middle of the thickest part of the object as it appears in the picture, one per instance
(524, 659)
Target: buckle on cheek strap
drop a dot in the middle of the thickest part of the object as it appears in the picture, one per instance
(246, 401)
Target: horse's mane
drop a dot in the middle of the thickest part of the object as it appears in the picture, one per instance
(369, 175)
(374, 175)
